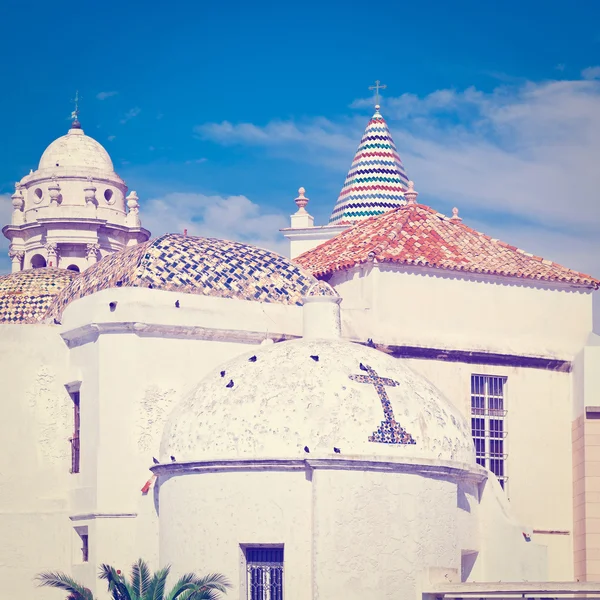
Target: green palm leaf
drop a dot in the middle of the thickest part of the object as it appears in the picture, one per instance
(214, 581)
(64, 582)
(185, 583)
(117, 586)
(156, 589)
(140, 578)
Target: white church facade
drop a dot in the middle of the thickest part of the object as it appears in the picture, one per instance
(405, 408)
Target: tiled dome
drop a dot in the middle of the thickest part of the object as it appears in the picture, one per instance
(76, 150)
(318, 393)
(25, 296)
(195, 265)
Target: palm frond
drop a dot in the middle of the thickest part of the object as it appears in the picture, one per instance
(62, 581)
(117, 586)
(214, 581)
(156, 589)
(140, 578)
(184, 583)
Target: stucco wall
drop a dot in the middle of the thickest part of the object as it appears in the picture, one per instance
(205, 517)
(380, 531)
(444, 310)
(35, 458)
(538, 444)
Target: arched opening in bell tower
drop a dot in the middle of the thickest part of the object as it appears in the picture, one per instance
(38, 261)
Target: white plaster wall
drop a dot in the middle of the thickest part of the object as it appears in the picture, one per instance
(130, 383)
(376, 533)
(349, 534)
(419, 307)
(205, 517)
(505, 553)
(539, 463)
(34, 458)
(157, 307)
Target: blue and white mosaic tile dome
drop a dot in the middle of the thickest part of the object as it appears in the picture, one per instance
(323, 394)
(26, 295)
(194, 265)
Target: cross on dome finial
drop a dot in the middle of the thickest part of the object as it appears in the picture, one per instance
(378, 86)
(75, 114)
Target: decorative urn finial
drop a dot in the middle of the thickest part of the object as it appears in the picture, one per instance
(411, 194)
(133, 201)
(17, 198)
(455, 218)
(301, 201)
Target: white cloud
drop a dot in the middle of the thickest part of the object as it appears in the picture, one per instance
(591, 73)
(111, 138)
(524, 153)
(131, 114)
(233, 217)
(197, 161)
(105, 95)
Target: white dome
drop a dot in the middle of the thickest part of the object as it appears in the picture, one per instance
(76, 150)
(281, 399)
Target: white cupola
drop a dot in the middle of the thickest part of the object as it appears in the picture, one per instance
(72, 210)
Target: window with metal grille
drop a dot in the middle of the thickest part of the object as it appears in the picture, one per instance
(488, 415)
(264, 567)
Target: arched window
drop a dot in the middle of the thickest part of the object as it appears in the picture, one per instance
(73, 268)
(38, 261)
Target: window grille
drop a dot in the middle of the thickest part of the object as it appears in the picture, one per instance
(488, 423)
(264, 568)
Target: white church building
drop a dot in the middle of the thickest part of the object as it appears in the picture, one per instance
(404, 409)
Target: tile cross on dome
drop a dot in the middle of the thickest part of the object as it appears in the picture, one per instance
(389, 432)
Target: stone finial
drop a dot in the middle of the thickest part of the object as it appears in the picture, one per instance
(133, 218)
(17, 198)
(411, 194)
(54, 191)
(455, 218)
(90, 193)
(133, 201)
(301, 201)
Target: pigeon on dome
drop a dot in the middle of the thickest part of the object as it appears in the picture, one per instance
(377, 180)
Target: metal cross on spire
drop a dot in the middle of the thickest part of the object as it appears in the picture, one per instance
(75, 113)
(377, 87)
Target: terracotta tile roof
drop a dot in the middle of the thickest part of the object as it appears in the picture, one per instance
(26, 295)
(417, 235)
(194, 265)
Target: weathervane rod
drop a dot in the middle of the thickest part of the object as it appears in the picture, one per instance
(377, 87)
(75, 113)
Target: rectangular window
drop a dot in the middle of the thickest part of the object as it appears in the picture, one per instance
(75, 440)
(488, 415)
(264, 568)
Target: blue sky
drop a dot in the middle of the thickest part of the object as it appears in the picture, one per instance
(215, 113)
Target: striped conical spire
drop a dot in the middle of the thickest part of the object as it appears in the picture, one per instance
(376, 181)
